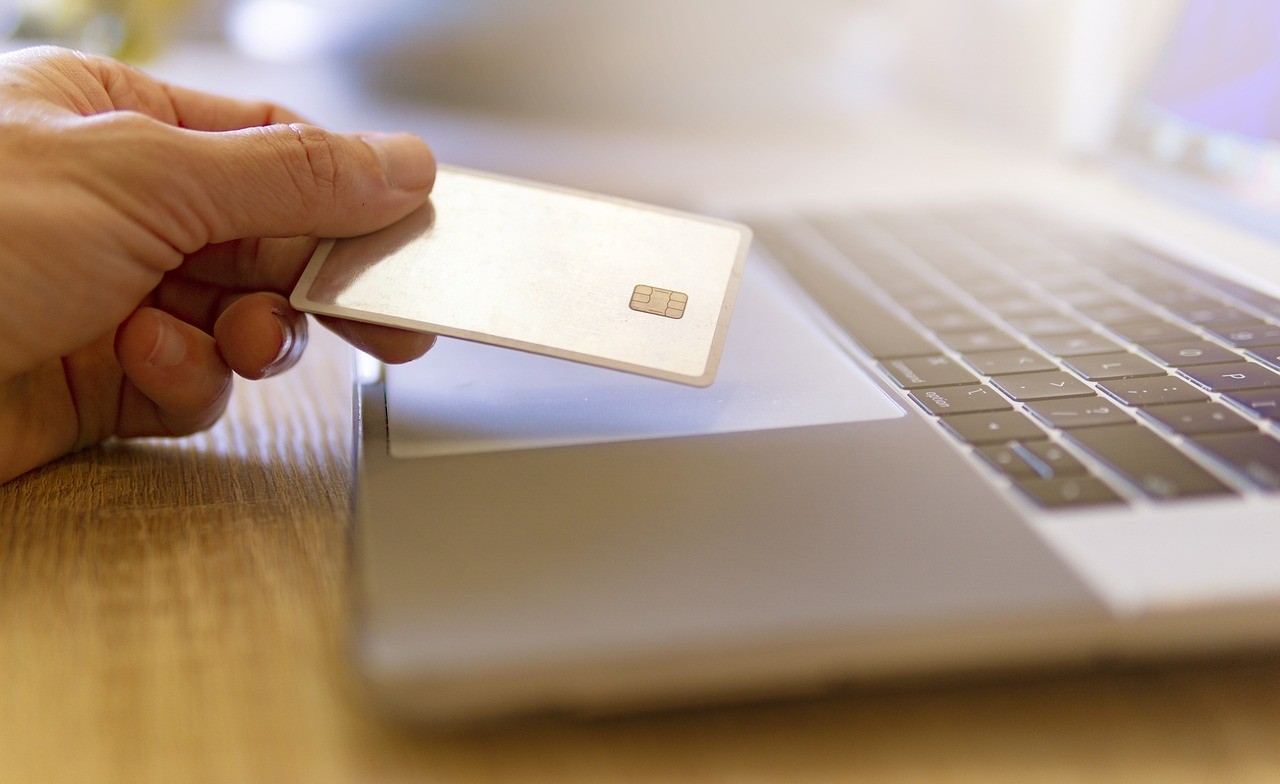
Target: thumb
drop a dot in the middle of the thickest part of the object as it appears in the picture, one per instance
(297, 179)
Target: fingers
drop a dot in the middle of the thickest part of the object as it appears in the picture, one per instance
(270, 265)
(290, 180)
(179, 384)
(391, 345)
(123, 87)
(260, 335)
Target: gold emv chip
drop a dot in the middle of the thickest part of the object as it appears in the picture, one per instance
(660, 302)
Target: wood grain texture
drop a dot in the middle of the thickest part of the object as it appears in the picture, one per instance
(173, 612)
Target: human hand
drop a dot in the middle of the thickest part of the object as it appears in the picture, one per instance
(148, 237)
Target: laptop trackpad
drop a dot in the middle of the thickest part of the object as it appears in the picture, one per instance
(780, 369)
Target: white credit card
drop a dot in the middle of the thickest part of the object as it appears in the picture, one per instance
(543, 269)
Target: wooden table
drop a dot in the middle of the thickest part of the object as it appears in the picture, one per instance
(174, 612)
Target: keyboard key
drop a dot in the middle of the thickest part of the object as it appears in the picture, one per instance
(924, 301)
(1116, 312)
(1073, 412)
(1054, 458)
(1249, 335)
(949, 401)
(1263, 402)
(1069, 491)
(986, 287)
(1032, 460)
(1045, 324)
(1021, 305)
(1086, 296)
(1179, 299)
(979, 340)
(922, 372)
(995, 363)
(953, 320)
(1255, 456)
(993, 427)
(1214, 315)
(1077, 343)
(1152, 464)
(1194, 419)
(1233, 376)
(880, 332)
(1269, 356)
(1152, 391)
(1189, 353)
(1041, 386)
(1100, 367)
(1151, 332)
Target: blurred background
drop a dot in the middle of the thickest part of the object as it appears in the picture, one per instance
(1031, 67)
(645, 98)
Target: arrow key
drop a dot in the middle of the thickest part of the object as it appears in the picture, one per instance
(1041, 386)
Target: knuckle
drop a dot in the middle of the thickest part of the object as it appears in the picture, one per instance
(316, 157)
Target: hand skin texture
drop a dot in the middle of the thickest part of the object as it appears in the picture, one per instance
(148, 237)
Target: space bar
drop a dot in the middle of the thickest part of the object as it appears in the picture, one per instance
(880, 332)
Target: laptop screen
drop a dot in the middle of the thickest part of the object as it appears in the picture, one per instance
(1210, 106)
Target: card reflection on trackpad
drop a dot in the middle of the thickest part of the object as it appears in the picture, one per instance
(780, 369)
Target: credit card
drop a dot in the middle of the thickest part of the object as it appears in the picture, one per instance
(544, 269)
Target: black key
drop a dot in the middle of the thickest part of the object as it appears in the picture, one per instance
(1065, 282)
(924, 301)
(1269, 356)
(1099, 367)
(1023, 305)
(995, 363)
(1053, 458)
(1085, 296)
(1233, 376)
(1178, 299)
(985, 288)
(1255, 456)
(1077, 343)
(1147, 333)
(921, 372)
(1194, 419)
(1264, 302)
(1214, 315)
(1045, 324)
(1152, 391)
(1148, 461)
(879, 331)
(953, 320)
(1032, 460)
(1069, 491)
(979, 340)
(1116, 312)
(1073, 412)
(1188, 353)
(948, 401)
(993, 427)
(1263, 402)
(1041, 386)
(1249, 335)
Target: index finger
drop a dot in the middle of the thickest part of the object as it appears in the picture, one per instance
(130, 89)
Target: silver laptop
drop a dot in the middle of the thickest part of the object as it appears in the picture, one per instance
(995, 410)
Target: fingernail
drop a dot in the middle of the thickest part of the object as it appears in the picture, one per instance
(286, 345)
(406, 160)
(169, 349)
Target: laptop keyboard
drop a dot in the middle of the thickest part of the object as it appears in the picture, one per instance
(1084, 367)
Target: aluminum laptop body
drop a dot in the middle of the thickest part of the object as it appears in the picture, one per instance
(534, 536)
